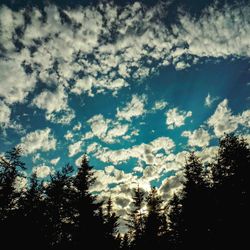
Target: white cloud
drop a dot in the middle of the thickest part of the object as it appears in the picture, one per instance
(42, 171)
(176, 118)
(87, 135)
(20, 183)
(181, 65)
(83, 85)
(75, 148)
(171, 185)
(142, 152)
(99, 125)
(68, 135)
(227, 31)
(222, 120)
(92, 147)
(208, 155)
(55, 105)
(107, 130)
(115, 132)
(133, 108)
(51, 101)
(15, 84)
(55, 161)
(77, 127)
(134, 132)
(5, 113)
(209, 100)
(129, 54)
(38, 140)
(159, 105)
(198, 137)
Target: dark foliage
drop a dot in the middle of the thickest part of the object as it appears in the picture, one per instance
(209, 212)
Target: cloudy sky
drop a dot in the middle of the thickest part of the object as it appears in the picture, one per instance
(134, 85)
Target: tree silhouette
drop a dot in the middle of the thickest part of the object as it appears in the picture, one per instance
(155, 221)
(88, 221)
(135, 221)
(111, 227)
(10, 166)
(211, 211)
(190, 224)
(230, 175)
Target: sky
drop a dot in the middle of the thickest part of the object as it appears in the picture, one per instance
(135, 85)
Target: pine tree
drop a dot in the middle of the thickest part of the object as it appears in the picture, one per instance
(31, 213)
(88, 220)
(190, 213)
(231, 193)
(135, 221)
(155, 221)
(10, 167)
(111, 227)
(175, 223)
(59, 208)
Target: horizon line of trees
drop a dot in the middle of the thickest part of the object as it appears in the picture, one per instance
(211, 211)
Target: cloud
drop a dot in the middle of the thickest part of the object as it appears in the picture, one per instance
(5, 113)
(77, 127)
(83, 85)
(181, 65)
(159, 105)
(134, 108)
(41, 139)
(198, 137)
(176, 118)
(142, 152)
(55, 161)
(171, 185)
(222, 120)
(55, 104)
(42, 171)
(227, 31)
(15, 83)
(99, 125)
(209, 100)
(110, 175)
(115, 132)
(107, 130)
(75, 148)
(20, 183)
(127, 46)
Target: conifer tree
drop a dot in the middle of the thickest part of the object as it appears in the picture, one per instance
(155, 221)
(10, 169)
(231, 193)
(88, 221)
(111, 226)
(135, 221)
(189, 214)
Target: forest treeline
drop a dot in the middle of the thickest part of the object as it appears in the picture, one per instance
(211, 211)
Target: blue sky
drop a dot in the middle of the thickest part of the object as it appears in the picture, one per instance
(134, 85)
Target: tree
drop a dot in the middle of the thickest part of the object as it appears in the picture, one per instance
(135, 221)
(88, 221)
(10, 166)
(230, 175)
(189, 214)
(111, 227)
(155, 221)
(59, 208)
(10, 169)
